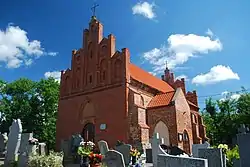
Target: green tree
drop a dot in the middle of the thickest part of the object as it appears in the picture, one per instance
(221, 120)
(35, 103)
(243, 108)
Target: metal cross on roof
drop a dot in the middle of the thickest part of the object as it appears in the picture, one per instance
(94, 8)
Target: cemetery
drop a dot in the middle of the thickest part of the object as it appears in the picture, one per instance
(108, 112)
(22, 150)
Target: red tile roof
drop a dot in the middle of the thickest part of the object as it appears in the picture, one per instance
(161, 100)
(148, 79)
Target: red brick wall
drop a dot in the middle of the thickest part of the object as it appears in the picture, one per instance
(109, 109)
(166, 115)
(183, 116)
(98, 74)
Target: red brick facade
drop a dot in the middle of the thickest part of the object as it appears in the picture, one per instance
(104, 88)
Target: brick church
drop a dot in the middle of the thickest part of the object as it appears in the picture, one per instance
(106, 97)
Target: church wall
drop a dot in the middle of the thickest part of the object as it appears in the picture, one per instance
(183, 118)
(166, 115)
(109, 108)
(138, 100)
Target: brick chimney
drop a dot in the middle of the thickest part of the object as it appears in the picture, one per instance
(180, 84)
(192, 97)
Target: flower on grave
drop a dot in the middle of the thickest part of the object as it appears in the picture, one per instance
(33, 141)
(224, 147)
(85, 148)
(134, 152)
(95, 158)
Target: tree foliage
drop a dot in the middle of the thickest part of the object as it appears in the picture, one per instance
(223, 118)
(34, 103)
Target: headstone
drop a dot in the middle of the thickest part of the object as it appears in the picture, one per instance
(42, 149)
(103, 146)
(176, 161)
(75, 141)
(25, 149)
(236, 162)
(125, 151)
(243, 129)
(196, 147)
(114, 159)
(213, 155)
(13, 144)
(244, 149)
(66, 148)
(149, 158)
(156, 148)
(2, 144)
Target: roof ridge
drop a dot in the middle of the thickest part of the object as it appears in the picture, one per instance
(145, 77)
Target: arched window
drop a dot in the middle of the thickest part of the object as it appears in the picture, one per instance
(103, 70)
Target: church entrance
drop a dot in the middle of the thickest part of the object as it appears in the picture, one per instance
(88, 132)
(163, 131)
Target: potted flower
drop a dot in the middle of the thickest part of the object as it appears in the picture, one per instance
(83, 151)
(95, 160)
(134, 154)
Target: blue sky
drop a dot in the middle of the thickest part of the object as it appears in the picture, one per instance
(205, 41)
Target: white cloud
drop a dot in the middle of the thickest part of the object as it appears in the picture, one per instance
(216, 74)
(179, 49)
(145, 9)
(182, 76)
(54, 74)
(17, 49)
(52, 53)
(231, 96)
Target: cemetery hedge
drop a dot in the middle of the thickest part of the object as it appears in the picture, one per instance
(35, 103)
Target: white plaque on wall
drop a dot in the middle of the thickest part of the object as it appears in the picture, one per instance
(103, 126)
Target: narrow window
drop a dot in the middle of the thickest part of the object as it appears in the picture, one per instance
(91, 54)
(103, 75)
(90, 79)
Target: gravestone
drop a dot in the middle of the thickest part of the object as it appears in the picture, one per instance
(156, 148)
(25, 149)
(196, 147)
(103, 146)
(114, 159)
(243, 129)
(125, 151)
(244, 149)
(42, 149)
(176, 161)
(66, 147)
(75, 143)
(13, 144)
(173, 150)
(149, 156)
(236, 162)
(214, 156)
(2, 144)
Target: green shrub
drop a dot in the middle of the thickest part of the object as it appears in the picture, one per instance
(230, 153)
(233, 154)
(52, 160)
